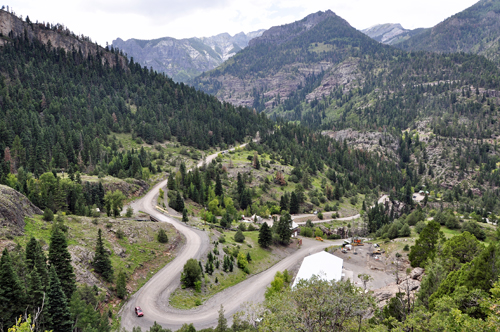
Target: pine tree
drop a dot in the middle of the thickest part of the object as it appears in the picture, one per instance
(162, 236)
(35, 289)
(218, 186)
(185, 215)
(284, 202)
(121, 285)
(102, 263)
(294, 203)
(11, 293)
(283, 228)
(179, 203)
(265, 235)
(35, 258)
(60, 259)
(221, 322)
(57, 305)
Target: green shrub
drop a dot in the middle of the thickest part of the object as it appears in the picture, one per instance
(419, 227)
(334, 237)
(239, 237)
(162, 236)
(48, 215)
(120, 234)
(306, 231)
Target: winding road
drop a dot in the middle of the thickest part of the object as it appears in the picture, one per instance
(153, 297)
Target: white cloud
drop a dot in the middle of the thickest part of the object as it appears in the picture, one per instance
(105, 20)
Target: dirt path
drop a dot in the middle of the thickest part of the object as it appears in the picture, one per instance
(356, 216)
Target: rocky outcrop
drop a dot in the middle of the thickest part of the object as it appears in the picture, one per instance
(184, 59)
(409, 285)
(58, 36)
(14, 207)
(129, 187)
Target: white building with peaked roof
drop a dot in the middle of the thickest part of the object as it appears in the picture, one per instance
(322, 264)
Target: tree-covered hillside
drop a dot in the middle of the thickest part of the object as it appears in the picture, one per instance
(475, 30)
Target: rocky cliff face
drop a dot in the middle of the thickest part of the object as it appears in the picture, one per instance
(390, 33)
(184, 59)
(58, 36)
(14, 207)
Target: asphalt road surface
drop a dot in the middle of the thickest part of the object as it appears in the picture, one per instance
(153, 296)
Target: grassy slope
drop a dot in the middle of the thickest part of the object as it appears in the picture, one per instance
(137, 253)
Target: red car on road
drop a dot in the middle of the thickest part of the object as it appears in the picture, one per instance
(138, 312)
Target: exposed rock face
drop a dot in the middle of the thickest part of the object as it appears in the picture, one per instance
(410, 285)
(14, 207)
(59, 37)
(389, 33)
(184, 59)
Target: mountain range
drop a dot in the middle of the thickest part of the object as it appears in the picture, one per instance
(184, 59)
(473, 30)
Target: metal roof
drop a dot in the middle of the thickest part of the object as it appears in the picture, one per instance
(322, 264)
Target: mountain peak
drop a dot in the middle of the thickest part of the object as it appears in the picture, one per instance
(282, 33)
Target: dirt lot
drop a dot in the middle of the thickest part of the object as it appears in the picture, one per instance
(359, 260)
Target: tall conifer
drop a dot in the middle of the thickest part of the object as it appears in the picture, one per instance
(11, 293)
(60, 259)
(102, 263)
(57, 305)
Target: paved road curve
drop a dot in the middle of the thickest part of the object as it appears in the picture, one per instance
(153, 296)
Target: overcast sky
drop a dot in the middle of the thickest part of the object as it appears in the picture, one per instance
(106, 20)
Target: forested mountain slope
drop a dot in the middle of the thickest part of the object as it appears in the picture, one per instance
(474, 30)
(184, 59)
(61, 110)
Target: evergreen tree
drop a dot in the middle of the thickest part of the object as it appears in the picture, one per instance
(57, 305)
(240, 184)
(179, 203)
(35, 258)
(426, 245)
(185, 215)
(35, 291)
(60, 259)
(121, 285)
(265, 235)
(221, 321)
(48, 215)
(218, 186)
(162, 236)
(102, 263)
(284, 202)
(294, 203)
(284, 228)
(11, 293)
